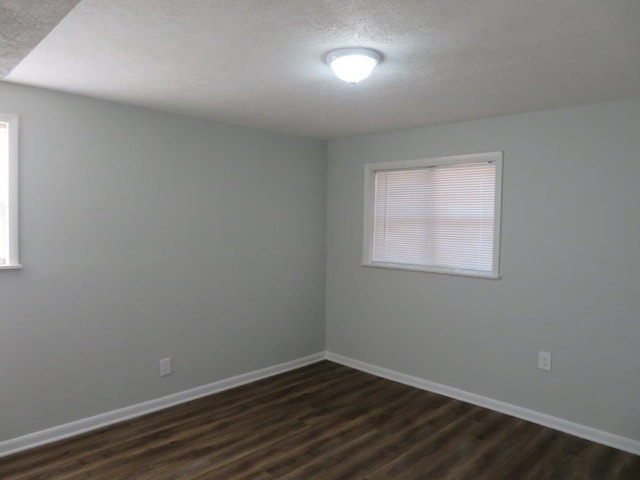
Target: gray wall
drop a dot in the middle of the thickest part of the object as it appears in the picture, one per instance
(144, 235)
(570, 266)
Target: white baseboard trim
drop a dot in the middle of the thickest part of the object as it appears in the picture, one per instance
(77, 427)
(582, 431)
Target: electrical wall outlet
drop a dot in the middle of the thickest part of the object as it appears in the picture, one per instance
(165, 367)
(544, 361)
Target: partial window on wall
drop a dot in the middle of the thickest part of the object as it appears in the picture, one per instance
(435, 215)
(9, 257)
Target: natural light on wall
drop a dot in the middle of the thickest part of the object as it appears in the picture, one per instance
(9, 192)
(4, 191)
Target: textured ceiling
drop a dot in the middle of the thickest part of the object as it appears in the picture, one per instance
(259, 63)
(23, 23)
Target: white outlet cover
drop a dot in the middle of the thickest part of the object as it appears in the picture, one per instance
(165, 367)
(544, 361)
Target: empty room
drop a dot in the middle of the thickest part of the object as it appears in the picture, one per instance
(319, 240)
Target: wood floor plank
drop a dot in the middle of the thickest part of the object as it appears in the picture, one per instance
(346, 419)
(217, 433)
(160, 429)
(323, 422)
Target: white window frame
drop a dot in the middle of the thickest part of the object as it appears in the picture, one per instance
(13, 252)
(369, 202)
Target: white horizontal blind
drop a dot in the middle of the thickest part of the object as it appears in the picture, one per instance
(4, 191)
(441, 216)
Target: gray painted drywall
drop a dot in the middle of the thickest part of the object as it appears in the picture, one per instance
(144, 235)
(570, 268)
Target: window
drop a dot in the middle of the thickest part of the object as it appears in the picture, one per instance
(9, 192)
(435, 215)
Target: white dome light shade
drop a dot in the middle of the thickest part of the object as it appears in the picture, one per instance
(353, 64)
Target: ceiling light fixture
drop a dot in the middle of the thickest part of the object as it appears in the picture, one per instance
(353, 64)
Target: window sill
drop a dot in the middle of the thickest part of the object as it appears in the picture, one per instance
(442, 271)
(15, 266)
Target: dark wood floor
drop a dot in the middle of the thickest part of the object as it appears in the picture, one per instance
(323, 421)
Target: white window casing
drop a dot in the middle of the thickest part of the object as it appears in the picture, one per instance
(437, 215)
(9, 228)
